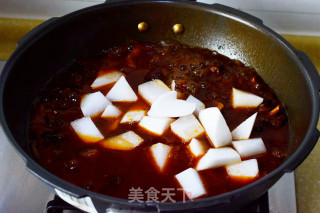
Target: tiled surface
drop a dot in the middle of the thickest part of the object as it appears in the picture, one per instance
(307, 175)
(44, 9)
(285, 16)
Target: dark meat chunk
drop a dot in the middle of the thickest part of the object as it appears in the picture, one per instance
(278, 153)
(71, 165)
(214, 103)
(51, 138)
(89, 153)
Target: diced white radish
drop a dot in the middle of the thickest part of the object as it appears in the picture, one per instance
(111, 111)
(168, 106)
(249, 148)
(245, 99)
(173, 88)
(132, 137)
(215, 158)
(197, 147)
(243, 131)
(199, 105)
(86, 130)
(173, 85)
(244, 170)
(93, 103)
(125, 141)
(133, 116)
(167, 96)
(122, 92)
(160, 153)
(107, 78)
(216, 127)
(151, 90)
(155, 125)
(187, 127)
(191, 183)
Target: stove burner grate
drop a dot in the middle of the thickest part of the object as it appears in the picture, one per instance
(57, 205)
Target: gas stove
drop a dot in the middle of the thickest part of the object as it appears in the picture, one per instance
(23, 192)
(57, 205)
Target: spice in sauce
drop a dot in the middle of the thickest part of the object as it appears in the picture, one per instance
(204, 74)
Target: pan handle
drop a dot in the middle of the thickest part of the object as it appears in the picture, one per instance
(240, 13)
(32, 33)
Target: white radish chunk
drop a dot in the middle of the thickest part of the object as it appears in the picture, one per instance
(199, 105)
(167, 105)
(155, 125)
(133, 116)
(93, 103)
(215, 158)
(173, 85)
(151, 90)
(86, 130)
(132, 137)
(122, 92)
(191, 183)
(245, 99)
(160, 153)
(216, 127)
(173, 88)
(198, 147)
(187, 127)
(106, 79)
(247, 169)
(249, 148)
(167, 96)
(111, 112)
(125, 141)
(243, 131)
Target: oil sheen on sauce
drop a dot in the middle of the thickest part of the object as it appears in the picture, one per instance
(205, 74)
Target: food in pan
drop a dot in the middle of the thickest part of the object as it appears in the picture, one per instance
(158, 116)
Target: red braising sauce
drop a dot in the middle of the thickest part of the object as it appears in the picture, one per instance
(205, 74)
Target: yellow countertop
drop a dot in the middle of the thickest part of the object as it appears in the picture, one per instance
(307, 175)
